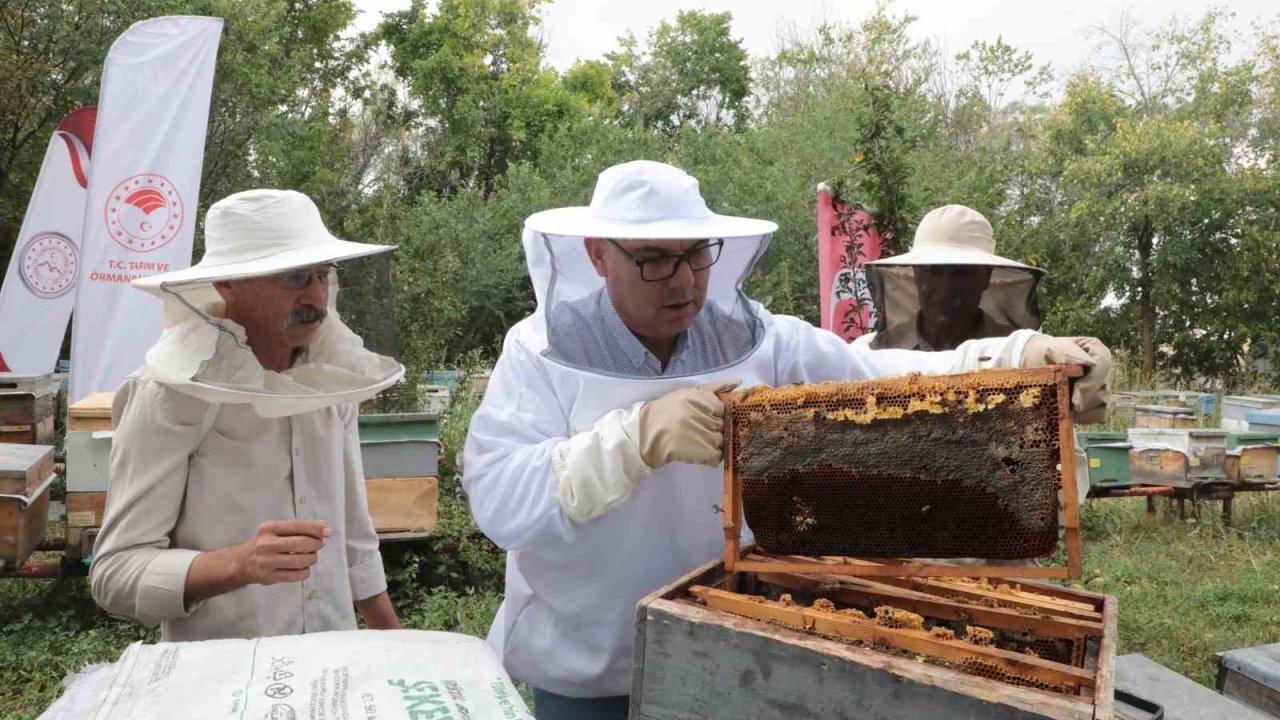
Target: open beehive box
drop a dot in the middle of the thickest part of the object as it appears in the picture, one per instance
(719, 644)
(860, 496)
(977, 466)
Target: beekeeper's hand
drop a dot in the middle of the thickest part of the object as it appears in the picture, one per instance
(1089, 394)
(597, 469)
(684, 426)
(282, 551)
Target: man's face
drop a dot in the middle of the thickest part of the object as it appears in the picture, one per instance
(281, 311)
(658, 308)
(951, 293)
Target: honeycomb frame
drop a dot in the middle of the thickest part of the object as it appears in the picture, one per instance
(773, 435)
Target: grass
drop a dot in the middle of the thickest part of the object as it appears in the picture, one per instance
(1186, 589)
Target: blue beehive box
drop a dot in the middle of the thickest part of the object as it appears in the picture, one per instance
(1264, 421)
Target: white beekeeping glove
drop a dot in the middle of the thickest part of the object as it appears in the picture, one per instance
(598, 468)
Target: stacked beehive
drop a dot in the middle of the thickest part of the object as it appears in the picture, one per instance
(88, 446)
(28, 406)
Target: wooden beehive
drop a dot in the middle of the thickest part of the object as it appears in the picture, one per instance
(26, 472)
(1255, 464)
(720, 644)
(1166, 467)
(90, 413)
(27, 408)
(88, 447)
(1161, 416)
(975, 465)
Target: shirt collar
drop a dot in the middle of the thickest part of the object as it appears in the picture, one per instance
(636, 352)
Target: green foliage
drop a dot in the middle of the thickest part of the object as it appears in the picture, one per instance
(693, 73)
(47, 631)
(483, 95)
(593, 82)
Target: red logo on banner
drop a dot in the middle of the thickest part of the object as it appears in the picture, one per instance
(49, 264)
(144, 212)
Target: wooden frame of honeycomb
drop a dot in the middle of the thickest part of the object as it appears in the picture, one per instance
(970, 393)
(1020, 643)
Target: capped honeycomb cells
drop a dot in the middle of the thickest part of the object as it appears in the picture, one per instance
(952, 466)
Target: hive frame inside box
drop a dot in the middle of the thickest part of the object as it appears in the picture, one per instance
(706, 648)
(733, 523)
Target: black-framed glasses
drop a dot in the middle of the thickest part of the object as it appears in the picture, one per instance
(699, 258)
(301, 278)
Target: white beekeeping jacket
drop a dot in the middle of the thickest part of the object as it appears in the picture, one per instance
(567, 622)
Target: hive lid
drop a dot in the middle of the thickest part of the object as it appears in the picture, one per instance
(1263, 417)
(1165, 410)
(97, 405)
(399, 427)
(24, 467)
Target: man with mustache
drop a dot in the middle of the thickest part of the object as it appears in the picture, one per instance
(237, 505)
(593, 458)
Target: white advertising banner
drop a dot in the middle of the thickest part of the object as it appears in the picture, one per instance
(140, 215)
(40, 285)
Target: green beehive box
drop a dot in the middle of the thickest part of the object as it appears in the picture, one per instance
(1108, 454)
(1252, 457)
(1244, 439)
(399, 426)
(400, 445)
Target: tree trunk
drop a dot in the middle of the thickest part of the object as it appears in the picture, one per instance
(1147, 313)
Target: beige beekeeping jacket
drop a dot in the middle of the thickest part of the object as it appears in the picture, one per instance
(189, 476)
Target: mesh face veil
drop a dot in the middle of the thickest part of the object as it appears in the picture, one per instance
(1009, 303)
(590, 324)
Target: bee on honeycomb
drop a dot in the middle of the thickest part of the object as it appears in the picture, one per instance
(939, 632)
(824, 605)
(979, 636)
(892, 617)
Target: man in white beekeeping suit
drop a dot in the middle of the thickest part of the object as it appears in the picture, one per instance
(593, 459)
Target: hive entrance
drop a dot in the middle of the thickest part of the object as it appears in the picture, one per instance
(958, 466)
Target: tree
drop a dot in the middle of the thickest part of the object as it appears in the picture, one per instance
(693, 73)
(991, 69)
(52, 56)
(484, 97)
(278, 63)
(595, 84)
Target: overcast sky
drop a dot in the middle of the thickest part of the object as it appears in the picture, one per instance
(1056, 31)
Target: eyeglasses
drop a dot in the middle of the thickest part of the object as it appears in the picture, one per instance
(699, 258)
(301, 279)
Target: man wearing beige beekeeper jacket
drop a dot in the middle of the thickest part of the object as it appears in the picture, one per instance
(237, 505)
